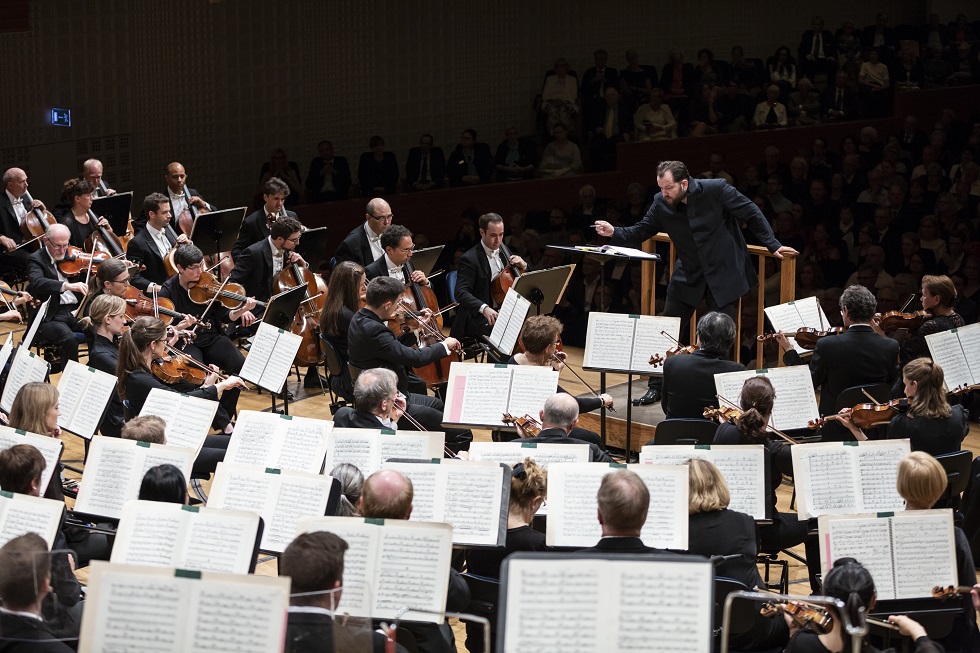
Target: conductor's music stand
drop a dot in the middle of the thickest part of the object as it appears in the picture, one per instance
(116, 209)
(544, 288)
(280, 312)
(216, 231)
(312, 247)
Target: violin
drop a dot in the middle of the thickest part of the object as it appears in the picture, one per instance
(77, 261)
(231, 295)
(35, 223)
(730, 411)
(949, 591)
(306, 324)
(866, 416)
(138, 304)
(895, 320)
(806, 337)
(527, 426)
(505, 280)
(174, 369)
(656, 360)
(804, 614)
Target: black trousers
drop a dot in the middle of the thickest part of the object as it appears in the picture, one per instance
(221, 352)
(60, 329)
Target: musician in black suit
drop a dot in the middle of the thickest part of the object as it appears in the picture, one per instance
(856, 357)
(176, 179)
(623, 501)
(315, 564)
(255, 226)
(702, 218)
(257, 266)
(363, 244)
(689, 379)
(151, 244)
(379, 405)
(329, 176)
(398, 246)
(426, 167)
(13, 207)
(45, 281)
(559, 425)
(476, 271)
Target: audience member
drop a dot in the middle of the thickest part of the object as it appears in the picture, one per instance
(636, 81)
(611, 122)
(426, 167)
(771, 113)
(838, 101)
(515, 157)
(377, 170)
(281, 167)
(329, 177)
(561, 157)
(804, 104)
(559, 97)
(470, 163)
(654, 121)
(818, 53)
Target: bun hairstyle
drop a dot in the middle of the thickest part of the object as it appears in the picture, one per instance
(529, 480)
(850, 582)
(756, 402)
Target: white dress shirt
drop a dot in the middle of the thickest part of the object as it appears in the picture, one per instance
(159, 238)
(178, 201)
(377, 251)
(277, 255)
(67, 297)
(18, 205)
(394, 271)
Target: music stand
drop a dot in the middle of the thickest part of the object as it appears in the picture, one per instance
(426, 259)
(216, 231)
(544, 288)
(280, 311)
(116, 209)
(312, 246)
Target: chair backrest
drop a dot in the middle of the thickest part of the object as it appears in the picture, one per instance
(684, 431)
(957, 466)
(484, 595)
(744, 612)
(853, 396)
(354, 373)
(332, 359)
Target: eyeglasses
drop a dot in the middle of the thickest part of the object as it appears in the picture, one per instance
(58, 245)
(122, 281)
(383, 218)
(405, 250)
(293, 240)
(196, 266)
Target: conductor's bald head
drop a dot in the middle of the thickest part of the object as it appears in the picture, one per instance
(387, 494)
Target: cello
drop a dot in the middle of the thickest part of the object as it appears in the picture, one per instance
(415, 299)
(306, 324)
(103, 239)
(35, 223)
(505, 280)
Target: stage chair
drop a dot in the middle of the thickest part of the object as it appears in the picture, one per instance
(957, 466)
(684, 431)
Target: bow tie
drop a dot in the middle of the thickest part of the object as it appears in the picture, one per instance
(493, 253)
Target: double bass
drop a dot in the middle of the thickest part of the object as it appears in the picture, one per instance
(306, 324)
(35, 223)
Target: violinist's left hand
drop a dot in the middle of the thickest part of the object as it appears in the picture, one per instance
(399, 407)
(518, 261)
(419, 278)
(186, 323)
(845, 419)
(783, 341)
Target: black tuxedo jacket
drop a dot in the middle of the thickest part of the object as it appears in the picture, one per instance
(689, 383)
(253, 270)
(141, 219)
(855, 357)
(806, 46)
(349, 418)
(592, 89)
(370, 343)
(341, 178)
(254, 228)
(142, 248)
(312, 632)
(355, 247)
(24, 634)
(9, 226)
(43, 282)
(473, 290)
(828, 101)
(376, 269)
(437, 167)
(621, 545)
(557, 436)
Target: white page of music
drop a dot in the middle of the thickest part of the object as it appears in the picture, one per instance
(799, 314)
(188, 419)
(298, 444)
(391, 564)
(796, 401)
(465, 493)
(368, 449)
(83, 394)
(280, 497)
(970, 340)
(743, 467)
(23, 513)
(167, 610)
(956, 352)
(531, 386)
(607, 605)
(270, 357)
(480, 393)
(187, 537)
(836, 478)
(115, 469)
(572, 504)
(626, 342)
(49, 447)
(510, 320)
(543, 453)
(27, 367)
(6, 350)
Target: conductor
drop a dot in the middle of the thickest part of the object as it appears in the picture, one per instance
(701, 217)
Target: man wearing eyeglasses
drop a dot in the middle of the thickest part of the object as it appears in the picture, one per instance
(398, 247)
(260, 263)
(363, 244)
(45, 281)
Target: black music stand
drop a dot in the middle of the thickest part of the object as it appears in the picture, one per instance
(312, 246)
(544, 288)
(216, 231)
(280, 312)
(116, 209)
(426, 259)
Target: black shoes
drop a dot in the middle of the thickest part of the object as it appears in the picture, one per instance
(315, 381)
(652, 396)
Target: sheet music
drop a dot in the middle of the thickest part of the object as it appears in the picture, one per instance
(270, 357)
(543, 453)
(280, 497)
(188, 418)
(391, 565)
(22, 513)
(626, 342)
(42, 312)
(970, 341)
(27, 367)
(606, 605)
(946, 349)
(280, 441)
(510, 320)
(49, 447)
(865, 538)
(173, 535)
(796, 401)
(649, 340)
(479, 394)
(163, 610)
(795, 315)
(743, 467)
(530, 387)
(115, 468)
(632, 252)
(878, 469)
(368, 449)
(83, 394)
(667, 517)
(6, 351)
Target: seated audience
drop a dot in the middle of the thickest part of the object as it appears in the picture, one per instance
(559, 97)
(771, 113)
(515, 157)
(280, 166)
(329, 177)
(654, 121)
(426, 167)
(636, 81)
(561, 157)
(470, 163)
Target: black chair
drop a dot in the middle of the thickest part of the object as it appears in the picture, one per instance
(957, 466)
(744, 612)
(334, 369)
(484, 596)
(354, 373)
(684, 431)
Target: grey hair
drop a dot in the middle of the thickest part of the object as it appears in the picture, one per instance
(374, 386)
(859, 302)
(351, 481)
(716, 331)
(560, 410)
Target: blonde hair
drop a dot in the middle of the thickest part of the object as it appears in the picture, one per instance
(31, 405)
(929, 400)
(527, 484)
(104, 306)
(921, 480)
(707, 487)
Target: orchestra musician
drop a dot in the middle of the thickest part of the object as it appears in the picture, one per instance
(938, 300)
(377, 402)
(398, 247)
(45, 280)
(476, 271)
(92, 173)
(348, 285)
(210, 345)
(13, 209)
(363, 244)
(623, 503)
(261, 262)
(255, 226)
(78, 194)
(559, 425)
(107, 315)
(151, 245)
(176, 178)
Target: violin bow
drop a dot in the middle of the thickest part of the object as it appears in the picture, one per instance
(414, 422)
(868, 395)
(770, 429)
(567, 366)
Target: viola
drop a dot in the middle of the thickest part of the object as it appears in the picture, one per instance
(505, 280)
(231, 295)
(527, 426)
(866, 416)
(895, 320)
(804, 614)
(35, 223)
(138, 305)
(306, 324)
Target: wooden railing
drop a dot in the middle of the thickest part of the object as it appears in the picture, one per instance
(787, 287)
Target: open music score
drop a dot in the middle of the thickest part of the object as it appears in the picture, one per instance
(142, 608)
(796, 401)
(510, 320)
(281, 498)
(27, 367)
(743, 466)
(543, 453)
(624, 343)
(188, 537)
(298, 444)
(368, 449)
(572, 504)
(115, 469)
(795, 315)
(607, 603)
(83, 394)
(907, 553)
(838, 478)
(472, 496)
(6, 351)
(391, 564)
(958, 352)
(23, 513)
(479, 393)
(50, 448)
(188, 418)
(270, 357)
